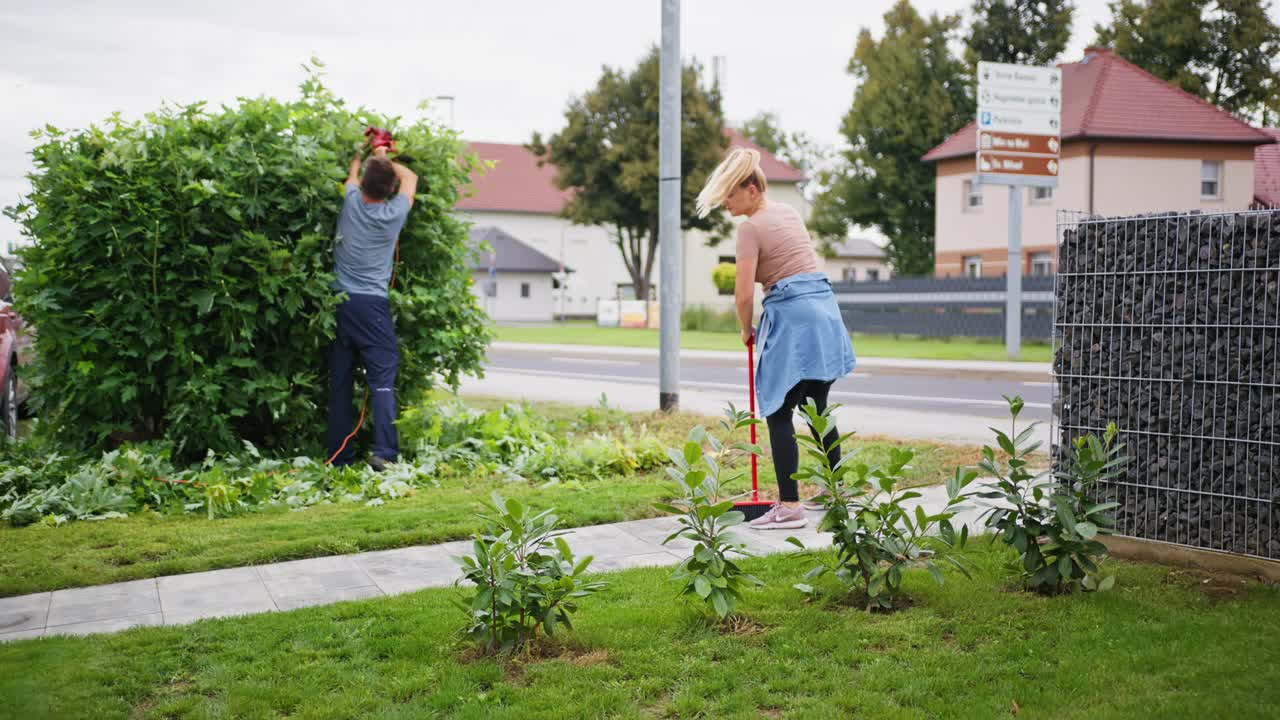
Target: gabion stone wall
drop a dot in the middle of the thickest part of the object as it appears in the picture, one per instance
(1168, 326)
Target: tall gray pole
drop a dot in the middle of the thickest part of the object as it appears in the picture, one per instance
(1013, 271)
(669, 209)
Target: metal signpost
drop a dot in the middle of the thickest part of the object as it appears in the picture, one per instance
(1019, 145)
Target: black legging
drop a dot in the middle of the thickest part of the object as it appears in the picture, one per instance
(782, 435)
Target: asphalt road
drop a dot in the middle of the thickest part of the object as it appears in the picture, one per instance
(938, 391)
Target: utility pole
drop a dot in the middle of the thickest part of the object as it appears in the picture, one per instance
(669, 208)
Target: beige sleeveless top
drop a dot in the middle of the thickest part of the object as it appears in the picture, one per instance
(777, 237)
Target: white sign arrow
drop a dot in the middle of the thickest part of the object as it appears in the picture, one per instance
(1028, 123)
(998, 98)
(1053, 167)
(992, 74)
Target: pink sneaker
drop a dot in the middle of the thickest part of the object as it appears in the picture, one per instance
(780, 517)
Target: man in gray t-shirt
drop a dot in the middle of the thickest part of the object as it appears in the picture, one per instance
(373, 213)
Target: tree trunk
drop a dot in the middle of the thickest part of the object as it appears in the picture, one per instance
(638, 253)
(652, 253)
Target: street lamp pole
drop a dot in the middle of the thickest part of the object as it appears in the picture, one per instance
(669, 240)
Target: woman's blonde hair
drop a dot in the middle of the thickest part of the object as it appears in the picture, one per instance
(740, 168)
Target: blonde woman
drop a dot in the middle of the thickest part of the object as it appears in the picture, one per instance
(803, 344)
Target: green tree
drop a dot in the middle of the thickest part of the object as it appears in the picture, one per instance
(763, 129)
(797, 149)
(1223, 51)
(607, 153)
(1026, 32)
(912, 93)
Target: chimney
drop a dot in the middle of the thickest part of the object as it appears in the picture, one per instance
(1095, 51)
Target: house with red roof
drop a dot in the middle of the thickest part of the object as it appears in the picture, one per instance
(521, 199)
(1131, 143)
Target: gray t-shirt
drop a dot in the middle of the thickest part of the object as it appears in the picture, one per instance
(364, 246)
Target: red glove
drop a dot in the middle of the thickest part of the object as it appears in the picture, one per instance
(378, 137)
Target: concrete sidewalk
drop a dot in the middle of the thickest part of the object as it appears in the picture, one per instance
(181, 599)
(988, 367)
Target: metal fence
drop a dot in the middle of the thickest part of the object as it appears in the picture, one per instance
(944, 307)
(1168, 325)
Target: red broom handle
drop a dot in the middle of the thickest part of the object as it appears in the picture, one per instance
(751, 390)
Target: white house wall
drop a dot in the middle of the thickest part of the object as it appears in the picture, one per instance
(588, 250)
(508, 306)
(598, 267)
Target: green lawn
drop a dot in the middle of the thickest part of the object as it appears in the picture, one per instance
(585, 333)
(1163, 644)
(37, 557)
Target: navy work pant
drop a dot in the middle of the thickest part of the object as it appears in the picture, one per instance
(365, 329)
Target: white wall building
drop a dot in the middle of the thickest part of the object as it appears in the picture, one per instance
(521, 199)
(512, 281)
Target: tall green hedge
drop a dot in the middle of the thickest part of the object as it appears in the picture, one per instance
(180, 271)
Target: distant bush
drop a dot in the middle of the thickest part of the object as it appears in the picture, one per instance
(708, 320)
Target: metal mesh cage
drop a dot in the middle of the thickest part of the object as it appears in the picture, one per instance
(1167, 325)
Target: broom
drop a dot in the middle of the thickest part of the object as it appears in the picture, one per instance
(755, 507)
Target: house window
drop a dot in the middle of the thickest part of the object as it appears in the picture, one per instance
(1211, 179)
(973, 266)
(1041, 264)
(524, 290)
(850, 274)
(873, 274)
(1041, 195)
(972, 196)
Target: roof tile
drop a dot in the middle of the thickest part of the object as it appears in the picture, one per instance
(517, 184)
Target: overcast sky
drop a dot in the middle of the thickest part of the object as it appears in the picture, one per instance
(510, 65)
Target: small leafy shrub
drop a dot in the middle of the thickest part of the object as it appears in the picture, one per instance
(450, 443)
(142, 477)
(517, 443)
(724, 276)
(31, 464)
(601, 417)
(875, 537)
(180, 266)
(527, 581)
(706, 319)
(1053, 526)
(707, 519)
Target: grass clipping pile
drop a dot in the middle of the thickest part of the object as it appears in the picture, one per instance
(180, 268)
